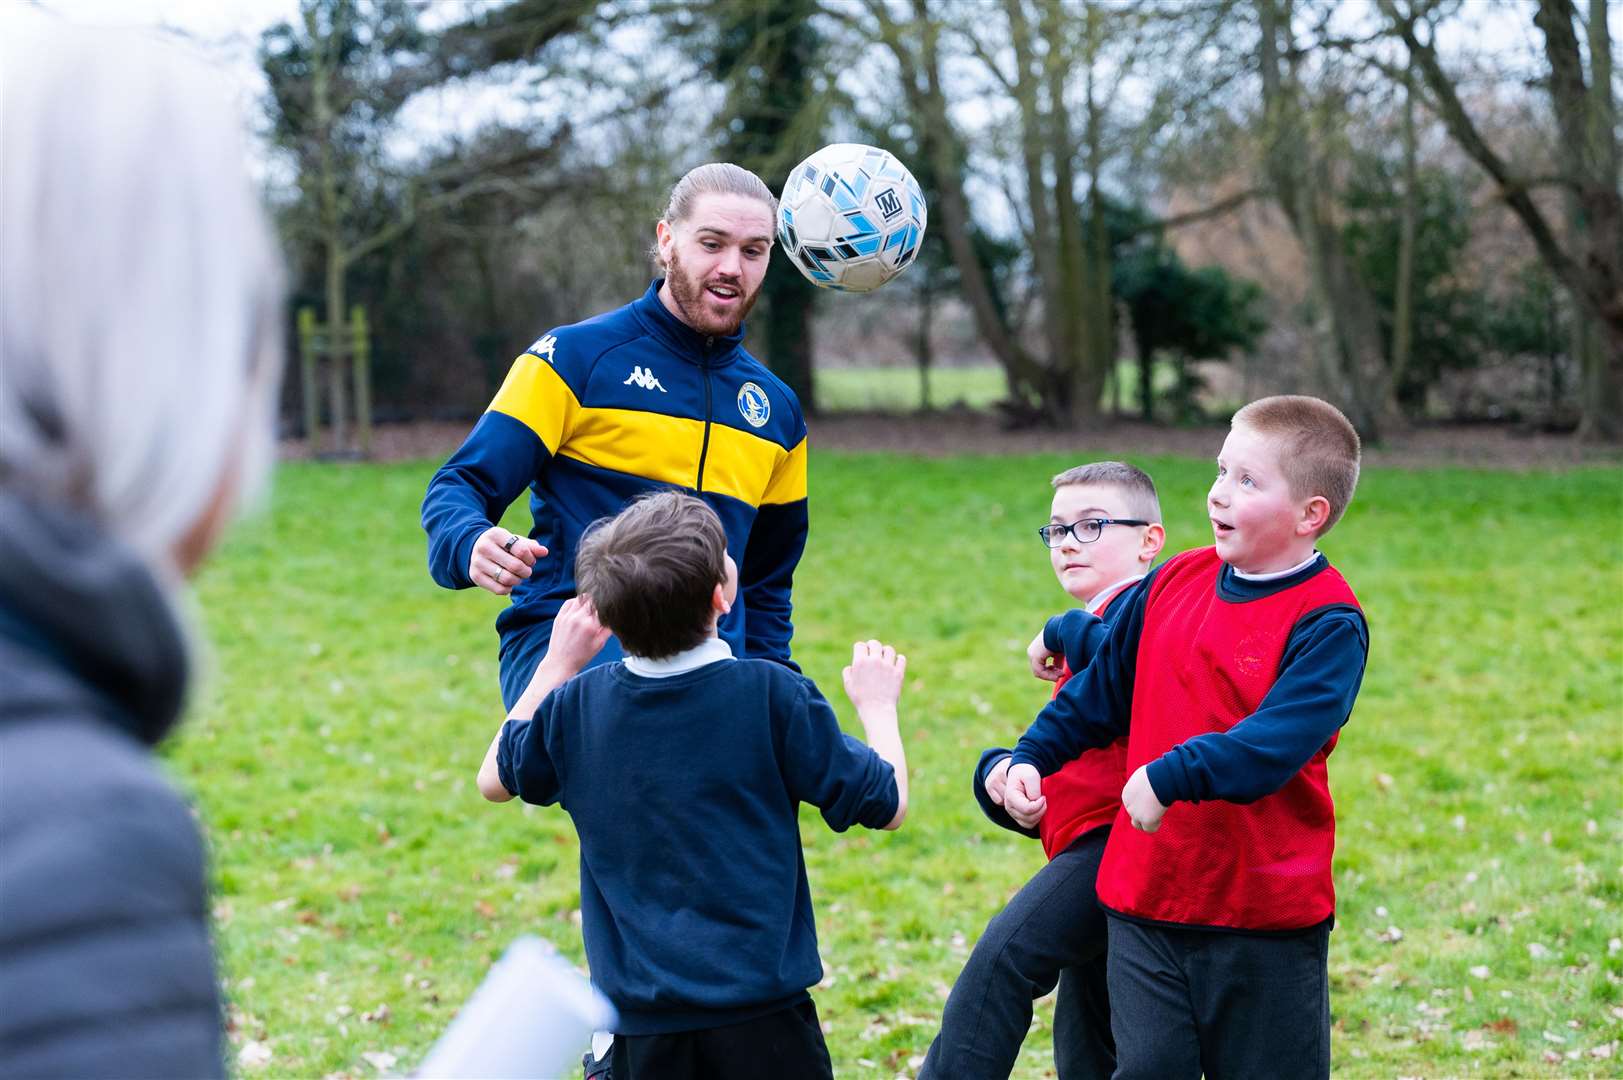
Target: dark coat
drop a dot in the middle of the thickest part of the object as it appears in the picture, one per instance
(105, 962)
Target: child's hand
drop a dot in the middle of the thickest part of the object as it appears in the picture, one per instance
(1023, 797)
(997, 780)
(1138, 797)
(1045, 662)
(874, 679)
(577, 636)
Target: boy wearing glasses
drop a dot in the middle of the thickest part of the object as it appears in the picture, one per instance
(1103, 535)
(1231, 671)
(683, 770)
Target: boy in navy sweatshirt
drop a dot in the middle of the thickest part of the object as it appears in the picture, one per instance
(1231, 672)
(683, 770)
(1103, 534)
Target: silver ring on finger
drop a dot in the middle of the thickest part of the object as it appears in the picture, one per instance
(497, 576)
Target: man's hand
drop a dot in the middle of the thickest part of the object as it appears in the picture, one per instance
(502, 559)
(1045, 662)
(997, 780)
(1023, 795)
(1138, 797)
(874, 679)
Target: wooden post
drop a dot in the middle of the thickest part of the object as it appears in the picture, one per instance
(361, 355)
(334, 346)
(307, 368)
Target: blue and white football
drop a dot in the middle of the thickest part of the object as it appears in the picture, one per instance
(851, 217)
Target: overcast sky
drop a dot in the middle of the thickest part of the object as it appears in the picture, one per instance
(228, 31)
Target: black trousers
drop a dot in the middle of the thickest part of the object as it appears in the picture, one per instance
(784, 1045)
(1229, 1006)
(1052, 930)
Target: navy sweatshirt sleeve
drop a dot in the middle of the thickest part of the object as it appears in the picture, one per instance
(472, 490)
(1076, 635)
(1092, 709)
(840, 775)
(524, 763)
(776, 542)
(1319, 677)
(529, 419)
(996, 814)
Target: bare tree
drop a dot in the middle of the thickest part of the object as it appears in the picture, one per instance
(1297, 162)
(1589, 259)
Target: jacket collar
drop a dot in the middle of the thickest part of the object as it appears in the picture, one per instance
(702, 350)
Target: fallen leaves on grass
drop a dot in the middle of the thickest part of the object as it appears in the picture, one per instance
(254, 1055)
(381, 1060)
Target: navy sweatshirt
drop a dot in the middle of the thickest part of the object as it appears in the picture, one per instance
(1319, 677)
(685, 792)
(1076, 635)
(593, 415)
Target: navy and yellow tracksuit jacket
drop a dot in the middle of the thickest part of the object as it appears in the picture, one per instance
(596, 413)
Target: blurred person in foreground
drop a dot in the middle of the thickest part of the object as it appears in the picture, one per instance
(139, 355)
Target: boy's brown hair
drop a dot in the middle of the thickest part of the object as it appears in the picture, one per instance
(1134, 484)
(651, 571)
(1319, 448)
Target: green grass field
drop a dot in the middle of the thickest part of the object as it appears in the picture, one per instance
(363, 887)
(897, 389)
(976, 386)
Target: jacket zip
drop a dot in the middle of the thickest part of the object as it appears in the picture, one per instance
(704, 450)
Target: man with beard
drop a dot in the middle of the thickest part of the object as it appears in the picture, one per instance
(657, 394)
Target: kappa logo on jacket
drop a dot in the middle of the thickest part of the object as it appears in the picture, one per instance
(643, 377)
(543, 347)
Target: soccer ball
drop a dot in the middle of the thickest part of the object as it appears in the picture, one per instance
(851, 217)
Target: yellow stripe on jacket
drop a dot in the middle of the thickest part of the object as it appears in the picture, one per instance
(536, 396)
(666, 450)
(789, 478)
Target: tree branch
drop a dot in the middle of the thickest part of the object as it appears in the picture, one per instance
(1216, 209)
(1460, 125)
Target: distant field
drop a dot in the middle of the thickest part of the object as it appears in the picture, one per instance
(898, 389)
(363, 887)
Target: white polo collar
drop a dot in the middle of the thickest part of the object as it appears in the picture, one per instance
(1277, 574)
(1092, 607)
(707, 651)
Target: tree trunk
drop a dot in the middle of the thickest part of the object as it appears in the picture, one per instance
(924, 344)
(1045, 248)
(1077, 275)
(1403, 303)
(1602, 416)
(1101, 326)
(1593, 270)
(1350, 349)
(921, 82)
(324, 57)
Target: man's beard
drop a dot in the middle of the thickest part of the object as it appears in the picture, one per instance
(689, 294)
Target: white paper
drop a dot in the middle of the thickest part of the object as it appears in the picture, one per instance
(533, 1016)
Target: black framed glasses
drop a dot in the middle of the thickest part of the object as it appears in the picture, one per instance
(1086, 531)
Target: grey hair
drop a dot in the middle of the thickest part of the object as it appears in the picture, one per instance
(715, 178)
(140, 291)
